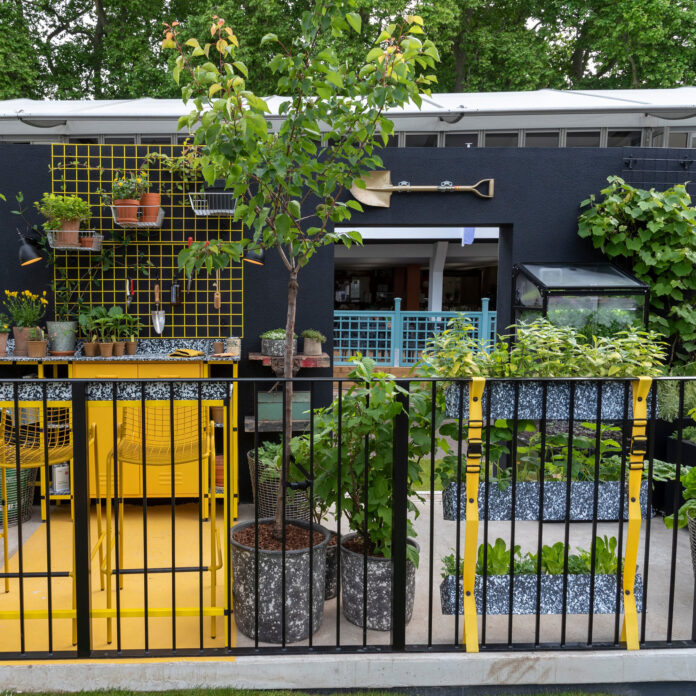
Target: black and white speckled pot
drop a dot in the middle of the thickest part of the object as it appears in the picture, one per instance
(379, 588)
(527, 501)
(276, 348)
(297, 579)
(524, 596)
(557, 400)
(331, 570)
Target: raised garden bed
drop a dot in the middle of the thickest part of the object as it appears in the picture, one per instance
(527, 501)
(524, 599)
(531, 396)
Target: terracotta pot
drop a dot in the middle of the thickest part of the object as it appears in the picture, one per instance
(3, 343)
(119, 348)
(106, 350)
(131, 347)
(150, 206)
(87, 242)
(126, 209)
(68, 235)
(21, 336)
(219, 470)
(36, 349)
(90, 349)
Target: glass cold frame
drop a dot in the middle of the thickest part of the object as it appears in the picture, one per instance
(596, 315)
(623, 138)
(502, 139)
(461, 140)
(541, 139)
(599, 275)
(582, 139)
(421, 139)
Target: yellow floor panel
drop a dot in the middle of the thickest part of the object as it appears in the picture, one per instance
(131, 597)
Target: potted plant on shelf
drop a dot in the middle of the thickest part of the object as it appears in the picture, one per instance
(500, 562)
(89, 327)
(362, 484)
(64, 215)
(313, 341)
(36, 345)
(273, 342)
(150, 201)
(4, 333)
(62, 336)
(106, 328)
(119, 330)
(26, 310)
(125, 197)
(132, 327)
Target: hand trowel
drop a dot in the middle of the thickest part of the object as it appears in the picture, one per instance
(157, 313)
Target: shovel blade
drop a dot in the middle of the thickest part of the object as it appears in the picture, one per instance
(158, 321)
(374, 198)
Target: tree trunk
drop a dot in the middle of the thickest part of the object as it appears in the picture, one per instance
(287, 403)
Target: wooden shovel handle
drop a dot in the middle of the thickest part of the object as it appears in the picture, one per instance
(157, 293)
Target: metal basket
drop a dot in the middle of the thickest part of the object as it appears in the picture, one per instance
(213, 203)
(138, 223)
(26, 488)
(296, 502)
(95, 245)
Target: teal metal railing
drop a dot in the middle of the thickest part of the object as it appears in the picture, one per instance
(397, 338)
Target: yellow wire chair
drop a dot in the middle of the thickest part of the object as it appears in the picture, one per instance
(41, 444)
(187, 440)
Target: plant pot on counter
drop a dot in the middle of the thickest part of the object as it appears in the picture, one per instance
(90, 349)
(312, 347)
(62, 336)
(131, 347)
(126, 209)
(106, 350)
(150, 206)
(270, 590)
(3, 343)
(119, 348)
(276, 347)
(37, 349)
(379, 587)
(21, 337)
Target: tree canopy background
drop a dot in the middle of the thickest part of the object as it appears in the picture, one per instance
(110, 49)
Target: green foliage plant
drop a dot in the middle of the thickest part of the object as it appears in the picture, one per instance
(291, 183)
(88, 319)
(25, 308)
(314, 335)
(126, 187)
(131, 326)
(60, 208)
(688, 509)
(5, 324)
(654, 232)
(275, 335)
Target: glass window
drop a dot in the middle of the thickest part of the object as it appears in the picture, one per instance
(598, 275)
(84, 140)
(461, 140)
(393, 141)
(658, 138)
(623, 138)
(582, 139)
(541, 139)
(526, 293)
(502, 139)
(155, 139)
(421, 139)
(678, 139)
(125, 140)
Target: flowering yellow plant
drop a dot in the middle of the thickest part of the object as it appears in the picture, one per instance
(4, 324)
(24, 307)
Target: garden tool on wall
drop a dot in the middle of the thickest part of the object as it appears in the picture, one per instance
(378, 189)
(157, 313)
(130, 291)
(217, 298)
(175, 291)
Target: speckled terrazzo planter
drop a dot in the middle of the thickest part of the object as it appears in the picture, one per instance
(331, 572)
(379, 588)
(276, 348)
(525, 594)
(557, 400)
(527, 501)
(297, 575)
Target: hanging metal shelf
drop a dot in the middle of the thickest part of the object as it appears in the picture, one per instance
(207, 203)
(139, 222)
(90, 240)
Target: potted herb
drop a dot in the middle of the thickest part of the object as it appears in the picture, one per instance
(368, 410)
(312, 341)
(125, 197)
(89, 327)
(499, 561)
(540, 349)
(26, 310)
(119, 330)
(36, 345)
(150, 201)
(132, 327)
(273, 342)
(4, 333)
(106, 329)
(64, 215)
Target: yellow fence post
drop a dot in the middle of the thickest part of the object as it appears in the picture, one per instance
(639, 441)
(474, 452)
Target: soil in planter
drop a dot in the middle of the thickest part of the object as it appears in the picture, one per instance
(295, 538)
(357, 546)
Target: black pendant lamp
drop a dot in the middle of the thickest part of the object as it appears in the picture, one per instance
(255, 256)
(27, 253)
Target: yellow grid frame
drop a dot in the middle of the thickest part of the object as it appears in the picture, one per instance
(82, 170)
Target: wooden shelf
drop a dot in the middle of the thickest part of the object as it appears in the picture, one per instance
(273, 426)
(300, 361)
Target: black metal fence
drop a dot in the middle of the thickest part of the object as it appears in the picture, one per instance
(145, 553)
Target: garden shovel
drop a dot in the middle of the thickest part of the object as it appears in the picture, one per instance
(157, 313)
(378, 189)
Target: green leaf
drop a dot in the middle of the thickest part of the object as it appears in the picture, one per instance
(334, 78)
(355, 21)
(268, 37)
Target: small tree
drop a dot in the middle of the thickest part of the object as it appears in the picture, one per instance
(290, 181)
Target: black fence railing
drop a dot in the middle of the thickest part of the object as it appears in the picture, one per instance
(443, 516)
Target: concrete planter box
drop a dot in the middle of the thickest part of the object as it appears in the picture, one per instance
(527, 501)
(557, 401)
(276, 348)
(524, 599)
(270, 573)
